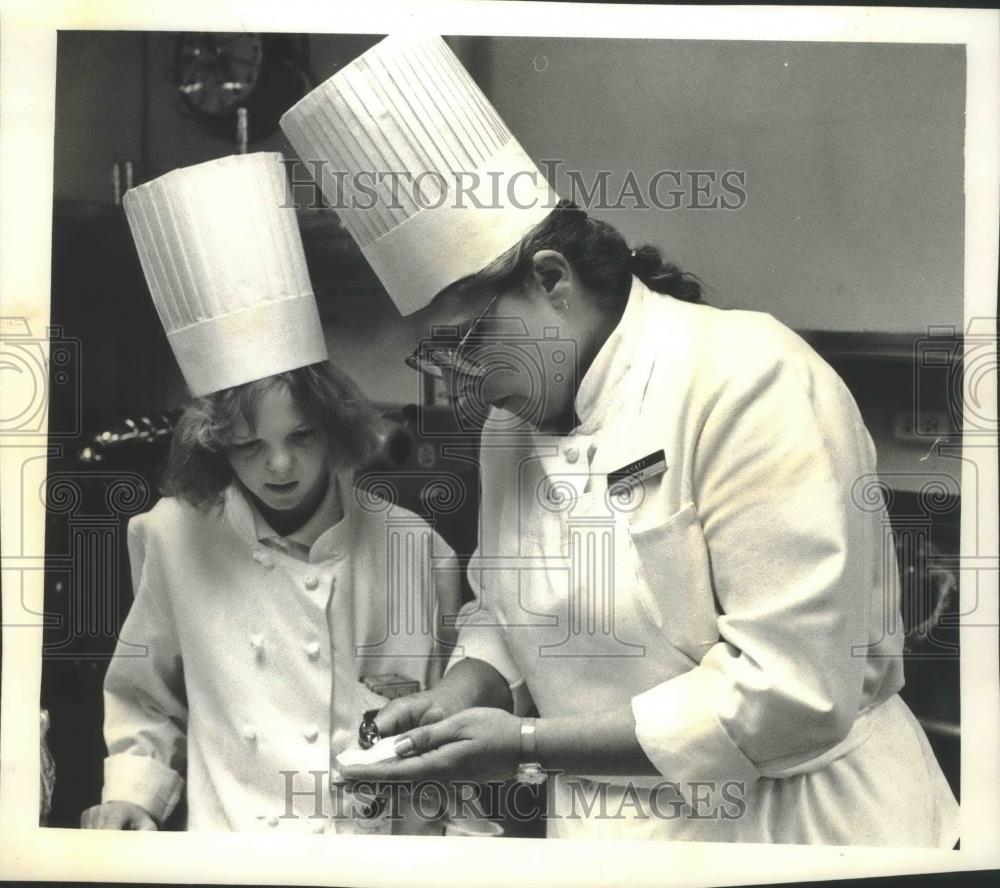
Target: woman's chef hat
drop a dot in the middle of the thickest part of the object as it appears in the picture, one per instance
(222, 254)
(418, 165)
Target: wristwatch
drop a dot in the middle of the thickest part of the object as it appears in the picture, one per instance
(530, 770)
(368, 733)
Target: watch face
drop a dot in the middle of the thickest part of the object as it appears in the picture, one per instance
(215, 73)
(368, 733)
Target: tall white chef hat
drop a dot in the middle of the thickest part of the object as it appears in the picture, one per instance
(223, 257)
(418, 165)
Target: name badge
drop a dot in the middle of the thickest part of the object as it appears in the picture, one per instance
(638, 471)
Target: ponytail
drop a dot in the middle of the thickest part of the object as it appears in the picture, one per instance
(662, 276)
(599, 255)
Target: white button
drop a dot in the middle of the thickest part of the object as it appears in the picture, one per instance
(312, 582)
(249, 733)
(263, 558)
(272, 821)
(312, 650)
(571, 453)
(311, 733)
(257, 643)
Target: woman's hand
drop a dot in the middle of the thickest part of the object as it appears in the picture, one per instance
(468, 683)
(475, 744)
(117, 815)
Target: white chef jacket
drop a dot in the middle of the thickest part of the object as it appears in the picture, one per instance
(239, 661)
(743, 603)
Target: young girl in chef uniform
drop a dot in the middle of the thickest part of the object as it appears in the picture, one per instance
(264, 592)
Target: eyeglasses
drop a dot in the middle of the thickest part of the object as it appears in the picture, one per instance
(435, 358)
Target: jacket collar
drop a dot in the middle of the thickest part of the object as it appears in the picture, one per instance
(322, 535)
(614, 373)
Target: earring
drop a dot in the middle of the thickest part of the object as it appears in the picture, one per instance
(565, 304)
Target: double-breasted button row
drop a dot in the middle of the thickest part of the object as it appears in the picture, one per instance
(312, 649)
(310, 733)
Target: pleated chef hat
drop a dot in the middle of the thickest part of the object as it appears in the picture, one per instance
(224, 263)
(444, 187)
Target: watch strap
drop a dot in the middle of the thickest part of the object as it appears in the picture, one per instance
(530, 769)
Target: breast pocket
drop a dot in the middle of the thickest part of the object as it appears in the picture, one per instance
(674, 580)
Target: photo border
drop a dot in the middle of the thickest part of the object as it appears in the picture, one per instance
(27, 117)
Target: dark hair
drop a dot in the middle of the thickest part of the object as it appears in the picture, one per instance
(598, 253)
(197, 469)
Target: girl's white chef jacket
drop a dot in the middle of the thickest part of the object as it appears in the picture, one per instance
(743, 602)
(241, 659)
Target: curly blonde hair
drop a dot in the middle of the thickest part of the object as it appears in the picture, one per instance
(197, 469)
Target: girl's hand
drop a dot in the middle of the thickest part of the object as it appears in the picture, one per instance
(467, 684)
(117, 815)
(476, 744)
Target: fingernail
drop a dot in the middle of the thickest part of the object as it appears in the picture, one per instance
(403, 747)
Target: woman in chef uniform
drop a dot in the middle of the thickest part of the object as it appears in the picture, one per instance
(264, 589)
(682, 554)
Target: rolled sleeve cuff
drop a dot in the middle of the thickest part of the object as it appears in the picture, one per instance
(144, 781)
(677, 726)
(488, 644)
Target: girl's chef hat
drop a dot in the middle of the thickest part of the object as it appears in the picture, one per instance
(222, 254)
(418, 165)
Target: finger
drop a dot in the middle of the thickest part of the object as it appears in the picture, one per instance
(418, 743)
(430, 736)
(401, 714)
(431, 715)
(144, 822)
(102, 819)
(99, 817)
(436, 764)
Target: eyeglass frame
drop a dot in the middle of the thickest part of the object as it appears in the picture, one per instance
(435, 370)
